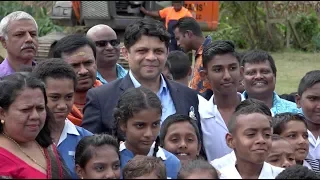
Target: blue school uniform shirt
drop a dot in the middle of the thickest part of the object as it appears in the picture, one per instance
(171, 162)
(280, 105)
(69, 138)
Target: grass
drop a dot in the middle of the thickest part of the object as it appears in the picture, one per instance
(291, 67)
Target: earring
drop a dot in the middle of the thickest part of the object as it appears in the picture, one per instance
(2, 121)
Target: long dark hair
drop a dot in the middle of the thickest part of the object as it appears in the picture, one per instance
(132, 101)
(11, 86)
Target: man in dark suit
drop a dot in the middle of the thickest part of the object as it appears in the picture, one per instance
(146, 49)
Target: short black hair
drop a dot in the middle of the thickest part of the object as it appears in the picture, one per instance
(188, 24)
(55, 68)
(199, 164)
(289, 97)
(143, 165)
(248, 106)
(147, 27)
(176, 118)
(258, 56)
(71, 43)
(86, 146)
(279, 121)
(180, 64)
(219, 47)
(311, 78)
(52, 46)
(297, 172)
(11, 86)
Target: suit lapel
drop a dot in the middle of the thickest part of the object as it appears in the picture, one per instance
(176, 97)
(126, 83)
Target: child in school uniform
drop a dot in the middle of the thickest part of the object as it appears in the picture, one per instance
(249, 136)
(137, 116)
(293, 128)
(308, 99)
(221, 66)
(282, 153)
(97, 157)
(179, 134)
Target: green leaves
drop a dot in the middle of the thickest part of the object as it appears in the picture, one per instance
(40, 14)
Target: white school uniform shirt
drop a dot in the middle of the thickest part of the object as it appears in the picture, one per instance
(306, 164)
(268, 171)
(314, 146)
(224, 161)
(214, 129)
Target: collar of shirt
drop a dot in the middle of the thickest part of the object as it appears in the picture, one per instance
(314, 141)
(206, 41)
(160, 152)
(209, 110)
(121, 72)
(6, 69)
(280, 105)
(267, 172)
(224, 161)
(69, 128)
(163, 84)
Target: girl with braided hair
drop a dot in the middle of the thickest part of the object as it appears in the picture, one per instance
(137, 116)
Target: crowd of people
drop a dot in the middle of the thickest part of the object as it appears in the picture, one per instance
(79, 114)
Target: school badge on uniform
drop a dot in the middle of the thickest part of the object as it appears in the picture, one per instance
(192, 115)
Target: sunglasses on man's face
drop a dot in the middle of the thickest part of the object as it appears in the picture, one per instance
(104, 43)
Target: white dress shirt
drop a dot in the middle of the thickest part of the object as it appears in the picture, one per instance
(214, 129)
(314, 146)
(224, 161)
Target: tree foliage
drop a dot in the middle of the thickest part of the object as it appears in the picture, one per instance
(40, 14)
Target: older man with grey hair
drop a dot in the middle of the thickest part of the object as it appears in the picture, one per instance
(108, 53)
(19, 36)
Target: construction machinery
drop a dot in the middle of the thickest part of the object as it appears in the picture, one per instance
(117, 15)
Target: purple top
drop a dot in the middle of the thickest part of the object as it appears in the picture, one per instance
(6, 69)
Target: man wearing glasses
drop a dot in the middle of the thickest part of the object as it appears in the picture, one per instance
(108, 53)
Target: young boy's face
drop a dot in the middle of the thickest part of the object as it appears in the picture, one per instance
(281, 154)
(223, 73)
(251, 139)
(295, 132)
(60, 97)
(182, 141)
(309, 101)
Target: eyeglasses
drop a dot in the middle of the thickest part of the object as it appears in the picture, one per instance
(104, 43)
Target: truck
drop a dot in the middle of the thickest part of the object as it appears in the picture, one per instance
(117, 15)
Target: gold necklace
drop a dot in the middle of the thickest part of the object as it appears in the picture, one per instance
(32, 159)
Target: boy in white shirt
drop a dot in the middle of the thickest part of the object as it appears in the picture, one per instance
(221, 66)
(308, 98)
(249, 136)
